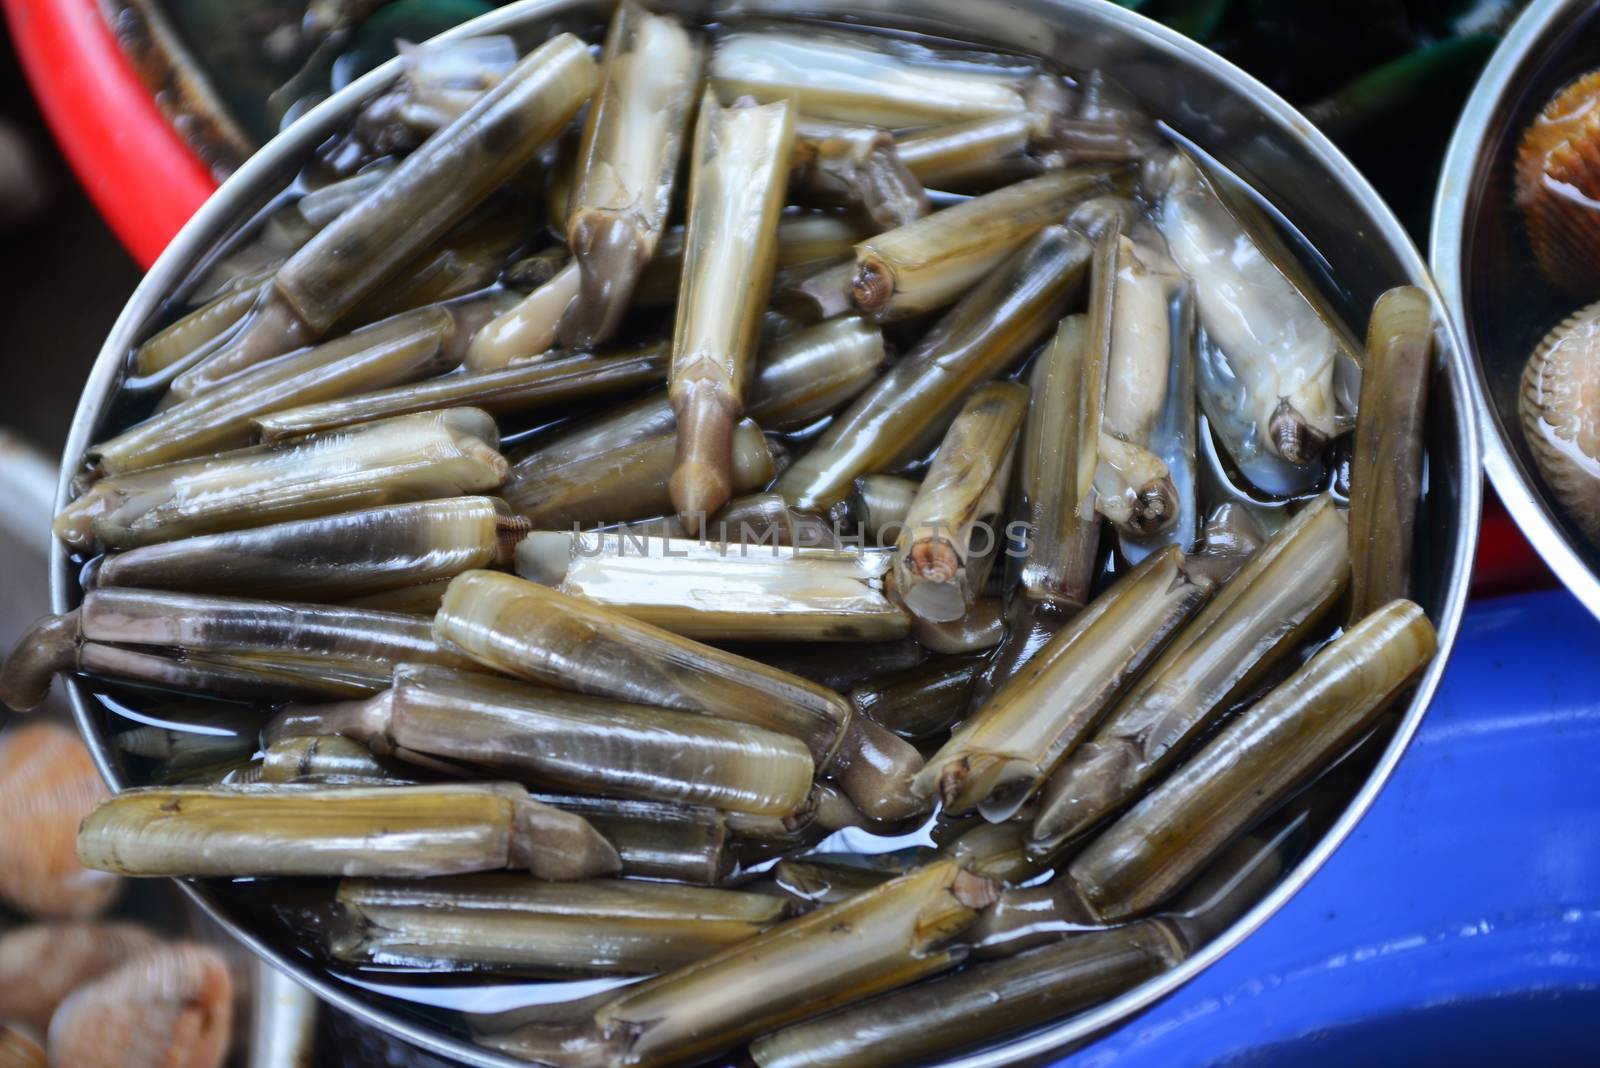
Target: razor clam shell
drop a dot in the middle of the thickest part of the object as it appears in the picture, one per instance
(1386, 462)
(979, 153)
(878, 505)
(202, 330)
(884, 938)
(935, 565)
(809, 885)
(526, 331)
(421, 599)
(740, 162)
(569, 741)
(712, 591)
(1005, 751)
(1175, 437)
(238, 678)
(1232, 536)
(1307, 721)
(875, 769)
(803, 238)
(407, 458)
(518, 388)
(935, 260)
(401, 349)
(683, 843)
(321, 759)
(628, 163)
(513, 923)
(823, 665)
(396, 831)
(542, 635)
(907, 408)
(849, 77)
(995, 851)
(855, 165)
(922, 701)
(982, 627)
(1255, 621)
(328, 558)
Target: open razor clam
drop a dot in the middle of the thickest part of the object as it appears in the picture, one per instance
(798, 511)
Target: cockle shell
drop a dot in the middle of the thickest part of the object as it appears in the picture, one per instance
(1558, 186)
(19, 1049)
(48, 784)
(169, 1008)
(41, 963)
(1560, 406)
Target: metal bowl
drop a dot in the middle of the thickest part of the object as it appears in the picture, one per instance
(1206, 101)
(1479, 248)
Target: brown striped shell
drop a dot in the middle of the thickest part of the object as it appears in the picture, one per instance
(48, 784)
(169, 1008)
(41, 963)
(19, 1049)
(1558, 186)
(1560, 406)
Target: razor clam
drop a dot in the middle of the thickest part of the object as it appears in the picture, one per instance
(1273, 389)
(374, 831)
(878, 506)
(513, 923)
(567, 741)
(1386, 465)
(325, 758)
(1301, 725)
(176, 753)
(1056, 977)
(982, 152)
(936, 565)
(406, 458)
(927, 264)
(903, 411)
(1255, 621)
(811, 883)
(875, 768)
(1049, 579)
(208, 326)
(1006, 749)
(402, 349)
(329, 558)
(921, 701)
(528, 330)
(1133, 487)
(711, 591)
(736, 187)
(996, 851)
(823, 665)
(884, 938)
(683, 843)
(429, 192)
(1232, 536)
(766, 519)
(610, 471)
(832, 74)
(851, 164)
(627, 164)
(803, 238)
(537, 633)
(1175, 436)
(511, 389)
(344, 646)
(983, 626)
(421, 599)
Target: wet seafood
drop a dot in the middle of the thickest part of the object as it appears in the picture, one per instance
(521, 388)
(430, 191)
(856, 165)
(567, 741)
(527, 331)
(1556, 185)
(1232, 536)
(632, 143)
(901, 413)
(712, 591)
(1255, 621)
(329, 558)
(169, 1008)
(810, 885)
(47, 784)
(982, 627)
(878, 505)
(399, 831)
(884, 938)
(683, 843)
(1302, 724)
(227, 646)
(937, 562)
(320, 759)
(41, 963)
(927, 264)
(406, 458)
(19, 1048)
(509, 922)
(1561, 419)
(921, 701)
(736, 186)
(1386, 466)
(1004, 752)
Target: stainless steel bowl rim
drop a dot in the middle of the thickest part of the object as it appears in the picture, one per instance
(219, 211)
(1457, 185)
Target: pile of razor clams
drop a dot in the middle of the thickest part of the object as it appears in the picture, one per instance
(864, 543)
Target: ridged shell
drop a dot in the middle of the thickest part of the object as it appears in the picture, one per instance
(169, 1008)
(47, 785)
(41, 963)
(1560, 406)
(1558, 185)
(19, 1049)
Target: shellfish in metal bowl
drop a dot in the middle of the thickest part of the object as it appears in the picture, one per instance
(565, 727)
